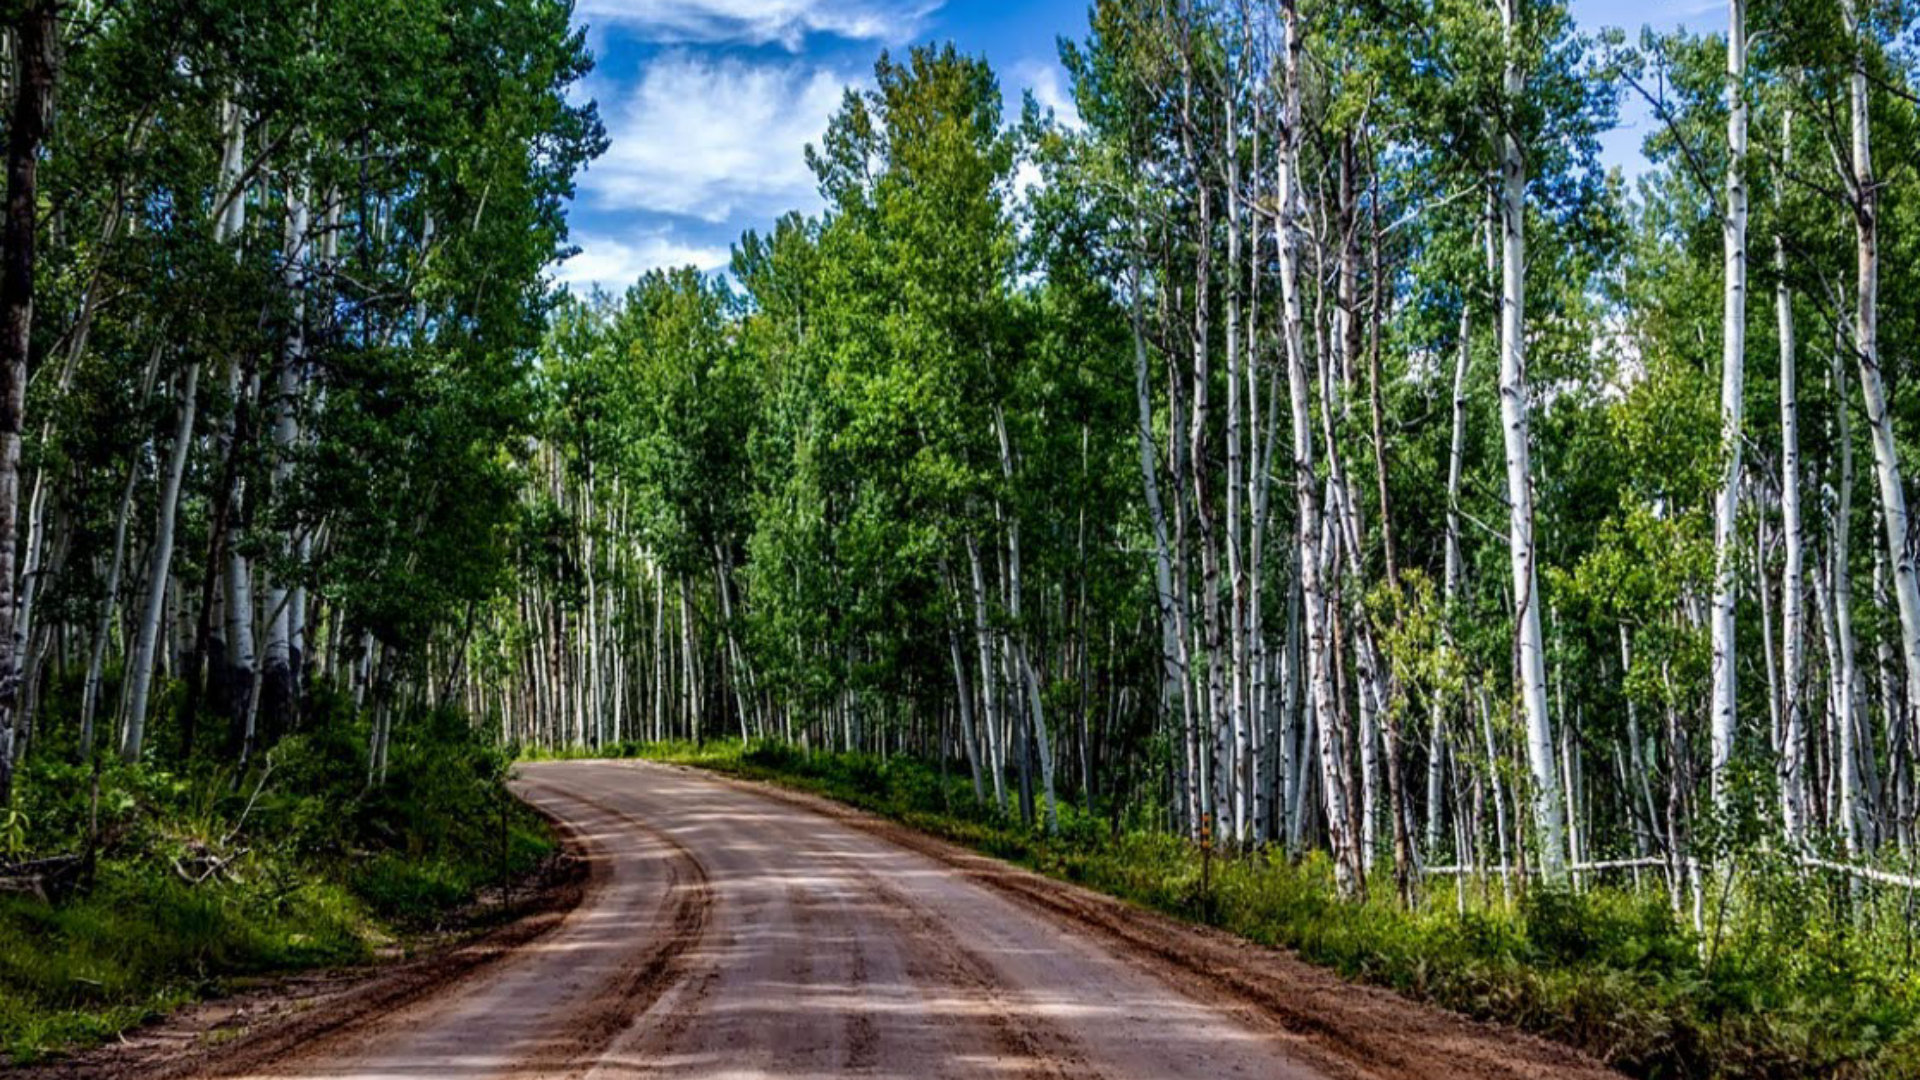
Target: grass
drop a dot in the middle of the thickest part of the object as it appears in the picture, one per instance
(325, 871)
(1802, 979)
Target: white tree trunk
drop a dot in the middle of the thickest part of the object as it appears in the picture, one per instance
(1515, 407)
(1725, 719)
(1209, 647)
(695, 699)
(1173, 656)
(230, 209)
(1866, 346)
(989, 694)
(116, 567)
(660, 665)
(1019, 634)
(1346, 855)
(159, 570)
(1791, 763)
(1231, 763)
(277, 669)
(963, 689)
(1830, 591)
(1452, 569)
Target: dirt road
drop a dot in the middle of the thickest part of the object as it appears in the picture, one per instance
(732, 931)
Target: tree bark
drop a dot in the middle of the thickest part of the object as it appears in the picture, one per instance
(1515, 412)
(140, 664)
(1348, 873)
(1901, 543)
(277, 670)
(1018, 634)
(989, 695)
(35, 39)
(1733, 343)
(1791, 762)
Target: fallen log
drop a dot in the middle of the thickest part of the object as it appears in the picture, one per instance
(46, 880)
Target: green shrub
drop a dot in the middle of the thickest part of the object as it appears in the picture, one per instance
(323, 865)
(409, 890)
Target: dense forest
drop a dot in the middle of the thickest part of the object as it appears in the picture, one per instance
(274, 286)
(1307, 448)
(1309, 444)
(274, 282)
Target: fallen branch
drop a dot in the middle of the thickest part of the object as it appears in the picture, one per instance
(208, 865)
(44, 879)
(242, 823)
(1868, 873)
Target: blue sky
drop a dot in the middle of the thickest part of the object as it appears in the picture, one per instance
(709, 104)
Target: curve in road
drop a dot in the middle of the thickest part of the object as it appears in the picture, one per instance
(734, 932)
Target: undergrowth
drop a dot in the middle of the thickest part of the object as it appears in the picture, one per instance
(1801, 979)
(321, 869)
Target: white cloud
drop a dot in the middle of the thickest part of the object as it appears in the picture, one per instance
(613, 264)
(1048, 83)
(763, 21)
(714, 138)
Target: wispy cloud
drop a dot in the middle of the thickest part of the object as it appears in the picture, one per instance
(761, 21)
(714, 138)
(613, 264)
(1047, 81)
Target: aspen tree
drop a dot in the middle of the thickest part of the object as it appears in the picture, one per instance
(1515, 417)
(1725, 719)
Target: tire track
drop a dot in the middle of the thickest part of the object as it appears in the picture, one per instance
(684, 911)
(1044, 1052)
(862, 1038)
(1344, 1029)
(935, 956)
(676, 1012)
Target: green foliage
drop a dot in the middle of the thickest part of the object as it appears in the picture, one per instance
(143, 941)
(321, 869)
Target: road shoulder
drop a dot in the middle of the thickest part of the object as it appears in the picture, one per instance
(241, 1031)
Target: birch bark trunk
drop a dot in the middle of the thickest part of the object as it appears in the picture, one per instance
(238, 582)
(1235, 751)
(1725, 719)
(1042, 741)
(963, 690)
(1336, 377)
(1173, 658)
(1791, 763)
(1452, 567)
(1845, 674)
(690, 659)
(1901, 542)
(35, 38)
(1844, 776)
(660, 665)
(277, 691)
(1346, 855)
(140, 664)
(1515, 410)
(230, 208)
(1196, 462)
(989, 695)
(116, 566)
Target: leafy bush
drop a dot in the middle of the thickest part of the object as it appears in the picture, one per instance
(322, 864)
